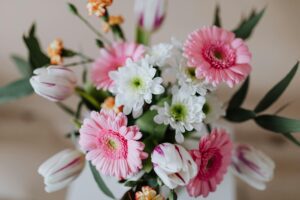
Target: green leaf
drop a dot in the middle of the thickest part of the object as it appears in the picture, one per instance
(239, 97)
(146, 124)
(217, 20)
(239, 115)
(278, 124)
(131, 183)
(67, 53)
(15, 90)
(73, 8)
(276, 91)
(101, 184)
(247, 26)
(37, 58)
(290, 137)
(22, 65)
(99, 43)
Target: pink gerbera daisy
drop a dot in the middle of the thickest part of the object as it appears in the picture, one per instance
(111, 145)
(218, 56)
(213, 158)
(111, 59)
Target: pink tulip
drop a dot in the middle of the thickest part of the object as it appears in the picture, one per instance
(150, 14)
(252, 166)
(54, 83)
(61, 169)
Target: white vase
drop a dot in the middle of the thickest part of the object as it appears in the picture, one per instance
(86, 188)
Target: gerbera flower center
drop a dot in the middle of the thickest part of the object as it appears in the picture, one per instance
(219, 56)
(114, 145)
(178, 112)
(211, 162)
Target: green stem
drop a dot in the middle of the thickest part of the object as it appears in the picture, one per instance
(79, 63)
(116, 29)
(78, 111)
(65, 108)
(87, 97)
(142, 36)
(208, 126)
(84, 57)
(102, 37)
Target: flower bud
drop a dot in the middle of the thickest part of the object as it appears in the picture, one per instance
(252, 166)
(55, 83)
(150, 14)
(61, 169)
(173, 164)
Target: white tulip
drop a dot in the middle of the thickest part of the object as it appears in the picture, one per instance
(252, 166)
(61, 169)
(150, 14)
(173, 164)
(54, 83)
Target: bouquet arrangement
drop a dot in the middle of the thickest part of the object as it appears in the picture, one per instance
(146, 102)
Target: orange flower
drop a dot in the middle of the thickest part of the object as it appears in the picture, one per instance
(109, 104)
(98, 7)
(54, 51)
(113, 20)
(148, 193)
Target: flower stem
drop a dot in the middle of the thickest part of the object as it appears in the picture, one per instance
(87, 98)
(79, 63)
(66, 108)
(142, 36)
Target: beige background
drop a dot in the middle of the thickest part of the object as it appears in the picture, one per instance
(32, 129)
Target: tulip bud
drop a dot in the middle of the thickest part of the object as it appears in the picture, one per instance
(173, 164)
(150, 14)
(252, 166)
(61, 169)
(55, 83)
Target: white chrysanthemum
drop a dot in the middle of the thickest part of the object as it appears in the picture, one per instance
(134, 84)
(161, 54)
(187, 77)
(184, 114)
(213, 109)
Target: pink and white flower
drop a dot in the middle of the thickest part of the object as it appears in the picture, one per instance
(252, 166)
(218, 56)
(61, 169)
(150, 14)
(111, 59)
(111, 145)
(55, 83)
(173, 164)
(212, 158)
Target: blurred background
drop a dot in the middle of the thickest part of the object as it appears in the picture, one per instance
(32, 129)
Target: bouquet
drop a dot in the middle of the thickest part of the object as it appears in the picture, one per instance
(139, 105)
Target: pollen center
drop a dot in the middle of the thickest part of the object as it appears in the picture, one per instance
(112, 144)
(136, 83)
(178, 112)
